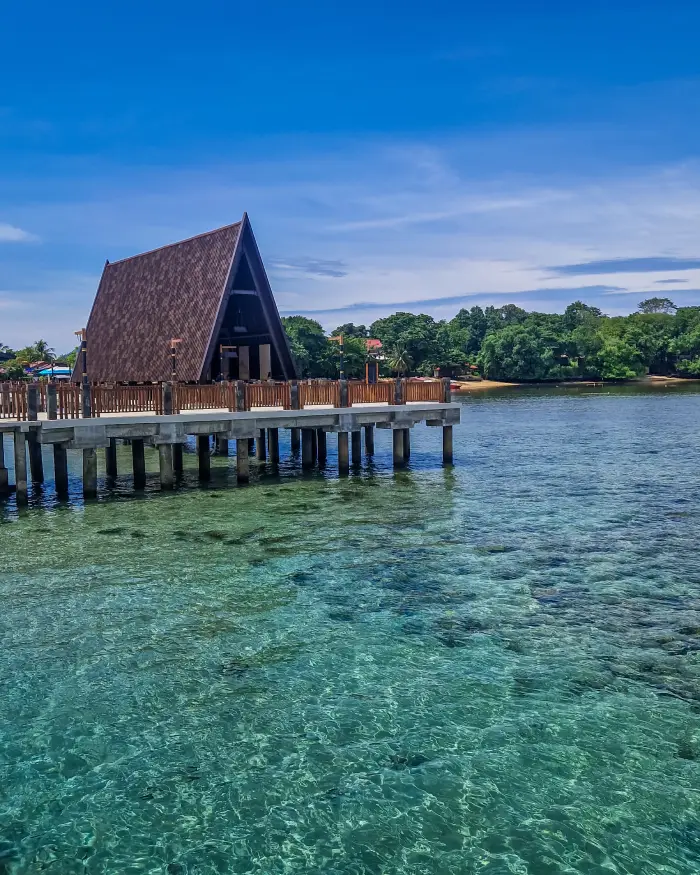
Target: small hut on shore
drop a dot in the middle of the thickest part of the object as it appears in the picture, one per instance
(210, 293)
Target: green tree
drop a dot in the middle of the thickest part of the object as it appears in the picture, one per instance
(399, 360)
(349, 329)
(423, 339)
(657, 305)
(308, 343)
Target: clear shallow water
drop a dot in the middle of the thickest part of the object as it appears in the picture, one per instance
(492, 668)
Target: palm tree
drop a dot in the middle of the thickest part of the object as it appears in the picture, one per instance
(399, 360)
(43, 351)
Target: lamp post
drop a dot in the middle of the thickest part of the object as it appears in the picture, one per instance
(86, 400)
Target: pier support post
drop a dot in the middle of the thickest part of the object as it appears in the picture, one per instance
(36, 462)
(260, 446)
(52, 401)
(4, 481)
(242, 463)
(20, 466)
(307, 448)
(111, 458)
(321, 443)
(273, 445)
(177, 459)
(407, 444)
(203, 456)
(399, 460)
(251, 445)
(60, 469)
(139, 463)
(447, 454)
(343, 456)
(295, 439)
(89, 472)
(221, 445)
(314, 444)
(356, 447)
(369, 440)
(165, 460)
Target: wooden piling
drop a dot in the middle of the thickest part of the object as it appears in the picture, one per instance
(177, 459)
(307, 448)
(447, 453)
(4, 477)
(295, 439)
(343, 456)
(204, 457)
(260, 446)
(221, 445)
(60, 469)
(89, 472)
(407, 444)
(138, 459)
(36, 461)
(399, 460)
(273, 445)
(242, 463)
(321, 444)
(369, 440)
(165, 460)
(356, 447)
(20, 449)
(111, 458)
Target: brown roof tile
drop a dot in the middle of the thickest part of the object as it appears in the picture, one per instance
(144, 301)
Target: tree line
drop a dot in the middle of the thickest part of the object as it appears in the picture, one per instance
(510, 343)
(13, 362)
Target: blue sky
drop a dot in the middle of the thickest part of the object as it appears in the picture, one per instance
(390, 156)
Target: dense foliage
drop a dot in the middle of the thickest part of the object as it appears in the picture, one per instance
(14, 362)
(508, 343)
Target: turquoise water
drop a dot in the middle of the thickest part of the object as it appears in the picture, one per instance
(491, 668)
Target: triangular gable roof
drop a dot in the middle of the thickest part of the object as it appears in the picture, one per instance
(177, 291)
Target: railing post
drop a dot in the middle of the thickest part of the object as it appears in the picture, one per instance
(52, 401)
(86, 400)
(294, 395)
(167, 396)
(32, 402)
(447, 390)
(240, 396)
(399, 394)
(344, 394)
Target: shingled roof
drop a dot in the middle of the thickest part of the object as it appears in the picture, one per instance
(177, 291)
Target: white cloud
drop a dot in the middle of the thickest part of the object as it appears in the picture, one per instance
(12, 234)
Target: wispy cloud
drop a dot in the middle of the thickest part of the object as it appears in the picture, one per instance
(646, 264)
(308, 267)
(13, 234)
(669, 282)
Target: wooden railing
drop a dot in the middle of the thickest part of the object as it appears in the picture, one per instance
(23, 401)
(316, 392)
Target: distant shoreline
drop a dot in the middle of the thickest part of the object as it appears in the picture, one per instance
(467, 387)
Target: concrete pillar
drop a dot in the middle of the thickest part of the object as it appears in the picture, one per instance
(295, 439)
(177, 459)
(260, 446)
(356, 447)
(165, 459)
(221, 445)
(242, 464)
(307, 448)
(398, 447)
(60, 469)
(139, 463)
(244, 363)
(343, 456)
(52, 401)
(36, 462)
(265, 361)
(90, 472)
(369, 440)
(321, 444)
(111, 458)
(407, 443)
(4, 479)
(273, 443)
(203, 456)
(447, 444)
(251, 446)
(21, 466)
(314, 444)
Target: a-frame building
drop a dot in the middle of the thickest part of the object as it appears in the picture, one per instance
(211, 292)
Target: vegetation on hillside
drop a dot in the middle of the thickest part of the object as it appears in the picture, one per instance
(508, 343)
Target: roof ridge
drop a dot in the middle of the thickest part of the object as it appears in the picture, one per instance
(175, 243)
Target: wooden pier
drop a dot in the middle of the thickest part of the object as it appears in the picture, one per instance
(249, 414)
